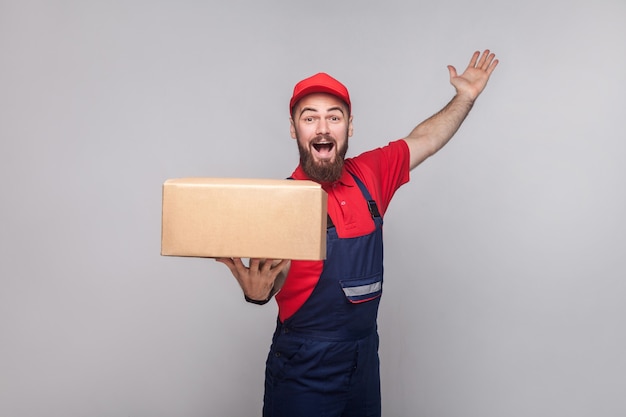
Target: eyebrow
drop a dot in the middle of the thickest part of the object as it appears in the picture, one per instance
(316, 111)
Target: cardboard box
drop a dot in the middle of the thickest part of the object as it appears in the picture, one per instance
(247, 218)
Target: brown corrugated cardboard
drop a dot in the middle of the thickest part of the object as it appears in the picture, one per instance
(247, 218)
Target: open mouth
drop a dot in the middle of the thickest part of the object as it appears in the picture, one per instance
(324, 150)
(324, 147)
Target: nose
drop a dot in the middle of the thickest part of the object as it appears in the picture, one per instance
(322, 127)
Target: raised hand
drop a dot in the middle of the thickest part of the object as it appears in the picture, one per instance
(474, 79)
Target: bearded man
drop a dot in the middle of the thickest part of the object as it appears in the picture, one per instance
(324, 355)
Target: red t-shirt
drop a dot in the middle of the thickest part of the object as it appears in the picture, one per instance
(383, 171)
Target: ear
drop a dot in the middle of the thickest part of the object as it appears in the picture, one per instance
(350, 127)
(292, 128)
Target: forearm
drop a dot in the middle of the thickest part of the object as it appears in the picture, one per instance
(432, 134)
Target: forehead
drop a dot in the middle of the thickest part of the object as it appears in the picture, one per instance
(320, 102)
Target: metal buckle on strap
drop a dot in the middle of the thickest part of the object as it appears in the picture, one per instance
(371, 204)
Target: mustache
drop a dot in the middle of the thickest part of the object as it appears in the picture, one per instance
(323, 138)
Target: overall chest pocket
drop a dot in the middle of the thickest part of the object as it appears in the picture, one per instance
(363, 289)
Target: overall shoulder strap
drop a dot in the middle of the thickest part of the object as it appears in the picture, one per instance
(371, 203)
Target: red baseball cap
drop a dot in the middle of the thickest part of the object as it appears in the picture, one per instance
(320, 83)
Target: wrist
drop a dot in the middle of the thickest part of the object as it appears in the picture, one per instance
(466, 97)
(259, 302)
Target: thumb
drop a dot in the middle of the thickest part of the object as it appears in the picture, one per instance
(452, 71)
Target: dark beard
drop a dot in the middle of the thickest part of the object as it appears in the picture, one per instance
(324, 171)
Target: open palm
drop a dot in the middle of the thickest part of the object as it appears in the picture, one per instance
(474, 79)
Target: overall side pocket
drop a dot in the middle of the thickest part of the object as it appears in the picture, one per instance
(363, 289)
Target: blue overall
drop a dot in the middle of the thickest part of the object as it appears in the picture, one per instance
(324, 359)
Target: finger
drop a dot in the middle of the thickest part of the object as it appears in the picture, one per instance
(492, 65)
(278, 265)
(239, 265)
(258, 265)
(267, 265)
(483, 59)
(474, 60)
(229, 263)
(281, 265)
(225, 261)
(273, 266)
(488, 60)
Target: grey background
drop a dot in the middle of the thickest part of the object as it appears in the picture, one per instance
(505, 257)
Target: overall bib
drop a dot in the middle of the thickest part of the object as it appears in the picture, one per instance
(324, 359)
